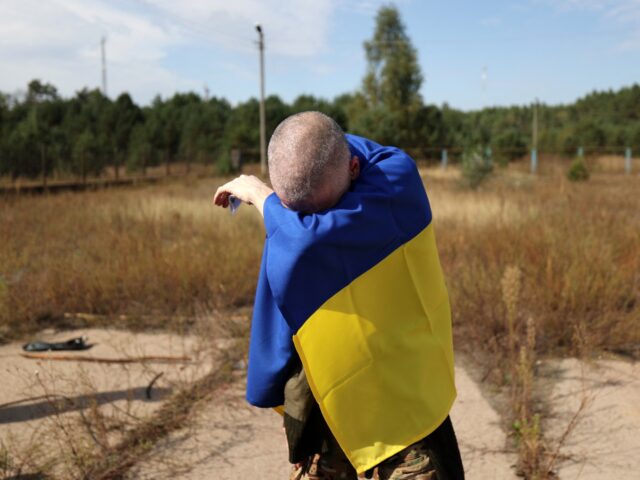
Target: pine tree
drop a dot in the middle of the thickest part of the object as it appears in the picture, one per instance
(390, 100)
(393, 78)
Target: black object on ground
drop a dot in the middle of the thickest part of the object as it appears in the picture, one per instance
(77, 343)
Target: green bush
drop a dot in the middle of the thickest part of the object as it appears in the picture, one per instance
(578, 171)
(223, 162)
(476, 167)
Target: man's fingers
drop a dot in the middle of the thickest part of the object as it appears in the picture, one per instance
(244, 188)
(217, 197)
(221, 197)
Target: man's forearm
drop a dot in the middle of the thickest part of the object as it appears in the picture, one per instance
(260, 197)
(247, 188)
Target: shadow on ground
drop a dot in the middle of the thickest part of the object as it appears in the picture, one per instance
(57, 404)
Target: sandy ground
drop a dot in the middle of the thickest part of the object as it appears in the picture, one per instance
(231, 440)
(228, 439)
(38, 395)
(483, 443)
(605, 443)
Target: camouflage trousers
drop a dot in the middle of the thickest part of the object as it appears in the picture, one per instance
(412, 463)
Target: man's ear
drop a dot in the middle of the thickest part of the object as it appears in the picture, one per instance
(354, 168)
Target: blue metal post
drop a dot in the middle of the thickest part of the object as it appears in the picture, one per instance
(627, 160)
(580, 152)
(534, 160)
(445, 158)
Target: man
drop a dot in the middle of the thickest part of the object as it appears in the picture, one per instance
(351, 330)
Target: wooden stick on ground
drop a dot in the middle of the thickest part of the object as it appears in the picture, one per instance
(87, 358)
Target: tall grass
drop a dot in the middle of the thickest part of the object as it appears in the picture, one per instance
(147, 253)
(577, 246)
(155, 252)
(537, 267)
(534, 266)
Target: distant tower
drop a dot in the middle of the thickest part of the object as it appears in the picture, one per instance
(206, 92)
(103, 40)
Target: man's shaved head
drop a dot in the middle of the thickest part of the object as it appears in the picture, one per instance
(308, 159)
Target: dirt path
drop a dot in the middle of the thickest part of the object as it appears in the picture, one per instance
(40, 399)
(605, 443)
(231, 440)
(228, 439)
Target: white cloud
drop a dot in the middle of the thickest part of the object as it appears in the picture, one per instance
(622, 10)
(619, 12)
(292, 27)
(59, 40)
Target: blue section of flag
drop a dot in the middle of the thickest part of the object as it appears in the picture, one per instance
(308, 258)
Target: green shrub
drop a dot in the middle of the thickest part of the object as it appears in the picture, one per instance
(223, 162)
(476, 167)
(578, 171)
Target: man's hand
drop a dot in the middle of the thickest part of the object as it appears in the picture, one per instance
(248, 188)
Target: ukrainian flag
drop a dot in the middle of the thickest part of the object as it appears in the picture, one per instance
(358, 292)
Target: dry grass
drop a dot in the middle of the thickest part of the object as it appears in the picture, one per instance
(161, 251)
(539, 266)
(148, 253)
(157, 172)
(577, 246)
(532, 263)
(158, 252)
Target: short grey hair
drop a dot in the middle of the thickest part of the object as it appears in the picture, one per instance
(302, 152)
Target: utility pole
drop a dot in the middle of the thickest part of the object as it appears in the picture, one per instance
(263, 140)
(43, 156)
(534, 138)
(103, 40)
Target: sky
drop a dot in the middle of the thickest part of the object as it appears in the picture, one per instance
(472, 53)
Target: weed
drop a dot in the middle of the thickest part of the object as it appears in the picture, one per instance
(476, 167)
(511, 284)
(578, 171)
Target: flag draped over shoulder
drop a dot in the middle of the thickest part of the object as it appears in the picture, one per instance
(357, 291)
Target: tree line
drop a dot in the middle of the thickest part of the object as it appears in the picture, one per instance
(42, 133)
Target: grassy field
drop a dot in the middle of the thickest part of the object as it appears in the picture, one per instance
(146, 255)
(577, 247)
(150, 253)
(535, 266)
(539, 267)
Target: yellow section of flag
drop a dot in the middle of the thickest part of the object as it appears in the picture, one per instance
(378, 354)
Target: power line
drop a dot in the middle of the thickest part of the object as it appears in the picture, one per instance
(204, 31)
(579, 35)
